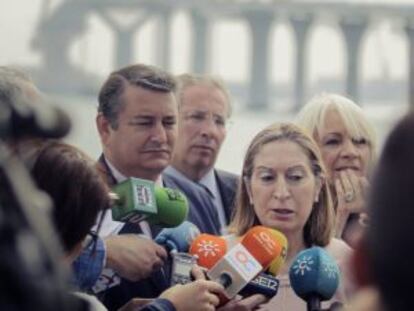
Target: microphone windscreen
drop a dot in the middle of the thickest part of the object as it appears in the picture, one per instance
(260, 242)
(172, 207)
(135, 200)
(314, 273)
(179, 238)
(279, 261)
(209, 249)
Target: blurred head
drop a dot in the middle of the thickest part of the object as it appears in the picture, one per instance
(390, 241)
(284, 187)
(136, 120)
(68, 176)
(203, 106)
(345, 136)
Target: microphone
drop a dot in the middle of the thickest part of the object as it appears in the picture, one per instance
(314, 276)
(209, 249)
(34, 117)
(245, 260)
(135, 200)
(178, 239)
(266, 283)
(279, 261)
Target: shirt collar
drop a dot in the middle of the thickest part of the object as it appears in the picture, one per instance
(209, 181)
(119, 177)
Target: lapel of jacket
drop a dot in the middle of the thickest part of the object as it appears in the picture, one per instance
(227, 190)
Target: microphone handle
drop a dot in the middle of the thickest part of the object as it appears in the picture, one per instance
(336, 306)
(313, 303)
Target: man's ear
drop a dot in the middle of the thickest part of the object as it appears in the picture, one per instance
(104, 127)
(248, 189)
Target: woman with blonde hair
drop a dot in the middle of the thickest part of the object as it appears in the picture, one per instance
(284, 188)
(347, 141)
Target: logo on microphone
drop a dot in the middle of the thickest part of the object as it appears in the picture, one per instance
(174, 195)
(144, 196)
(303, 264)
(208, 248)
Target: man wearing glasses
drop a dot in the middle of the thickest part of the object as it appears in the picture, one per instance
(204, 107)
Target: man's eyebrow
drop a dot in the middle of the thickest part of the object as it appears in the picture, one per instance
(140, 117)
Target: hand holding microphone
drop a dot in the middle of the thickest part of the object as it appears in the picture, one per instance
(198, 295)
(133, 257)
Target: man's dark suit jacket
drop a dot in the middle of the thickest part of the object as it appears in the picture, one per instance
(151, 287)
(203, 212)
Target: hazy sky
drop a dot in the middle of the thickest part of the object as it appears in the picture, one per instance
(384, 51)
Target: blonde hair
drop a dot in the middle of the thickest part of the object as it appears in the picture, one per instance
(312, 118)
(188, 79)
(318, 229)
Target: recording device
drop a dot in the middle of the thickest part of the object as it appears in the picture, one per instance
(178, 239)
(177, 242)
(314, 276)
(33, 275)
(205, 250)
(245, 260)
(181, 267)
(135, 200)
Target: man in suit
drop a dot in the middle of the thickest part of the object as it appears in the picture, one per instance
(204, 107)
(136, 121)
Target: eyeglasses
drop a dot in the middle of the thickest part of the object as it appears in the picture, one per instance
(198, 117)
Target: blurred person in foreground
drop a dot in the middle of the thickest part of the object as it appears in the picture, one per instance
(55, 167)
(348, 143)
(383, 259)
(284, 187)
(32, 274)
(204, 107)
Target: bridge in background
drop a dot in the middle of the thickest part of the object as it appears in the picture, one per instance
(60, 27)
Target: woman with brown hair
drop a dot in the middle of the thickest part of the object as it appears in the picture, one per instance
(284, 187)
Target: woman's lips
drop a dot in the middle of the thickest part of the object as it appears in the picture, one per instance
(282, 213)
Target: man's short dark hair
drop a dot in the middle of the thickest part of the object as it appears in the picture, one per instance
(145, 76)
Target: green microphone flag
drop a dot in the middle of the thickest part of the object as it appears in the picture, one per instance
(136, 200)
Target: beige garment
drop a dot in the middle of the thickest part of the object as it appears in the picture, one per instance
(286, 299)
(367, 299)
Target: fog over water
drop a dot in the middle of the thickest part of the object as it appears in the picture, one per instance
(383, 63)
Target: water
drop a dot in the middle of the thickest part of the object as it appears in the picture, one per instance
(244, 125)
